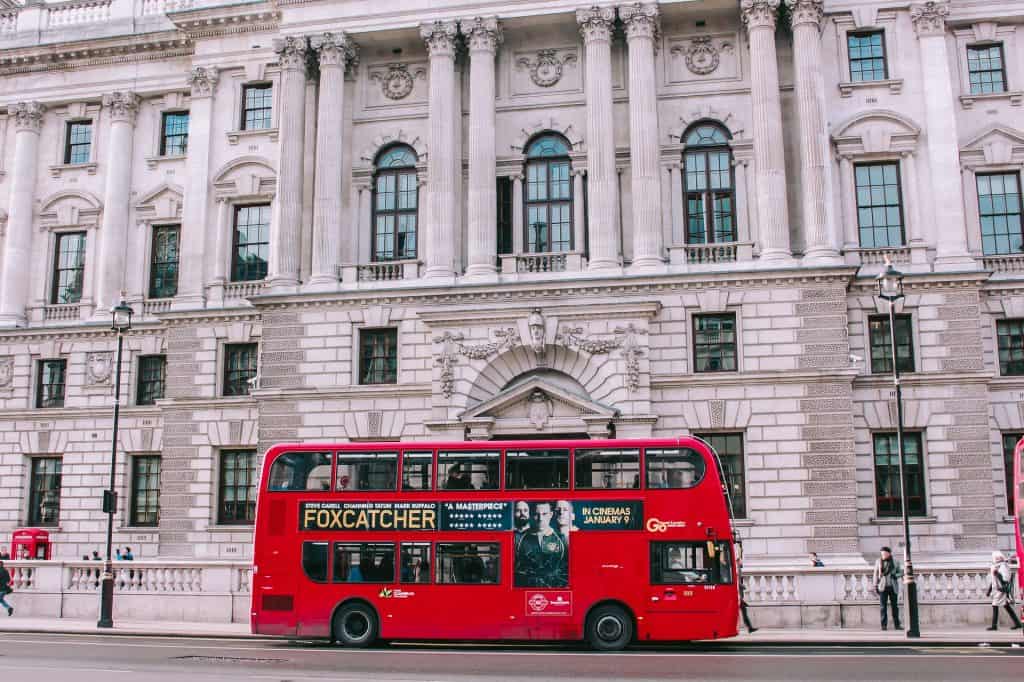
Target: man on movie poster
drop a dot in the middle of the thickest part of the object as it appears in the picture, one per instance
(542, 555)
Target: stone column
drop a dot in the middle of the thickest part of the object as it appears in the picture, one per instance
(769, 153)
(815, 167)
(579, 214)
(596, 24)
(851, 231)
(122, 108)
(676, 193)
(641, 22)
(14, 275)
(940, 134)
(286, 223)
(483, 35)
(441, 206)
(518, 228)
(334, 51)
(196, 207)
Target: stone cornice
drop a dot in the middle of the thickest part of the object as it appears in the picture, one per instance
(930, 280)
(585, 286)
(715, 379)
(265, 395)
(602, 311)
(96, 52)
(211, 22)
(911, 379)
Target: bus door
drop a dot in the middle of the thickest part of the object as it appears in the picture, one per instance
(689, 577)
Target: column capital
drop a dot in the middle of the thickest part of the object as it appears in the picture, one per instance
(806, 12)
(335, 49)
(203, 80)
(930, 17)
(642, 20)
(440, 37)
(483, 34)
(291, 52)
(123, 105)
(760, 13)
(596, 23)
(27, 115)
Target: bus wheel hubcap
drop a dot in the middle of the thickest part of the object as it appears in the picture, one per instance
(609, 628)
(356, 626)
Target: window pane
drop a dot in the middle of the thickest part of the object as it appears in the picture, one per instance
(1010, 441)
(301, 471)
(729, 448)
(999, 207)
(879, 205)
(367, 471)
(145, 501)
(415, 562)
(378, 356)
(681, 563)
(257, 106)
(866, 52)
(364, 562)
(69, 268)
(163, 276)
(79, 142)
(44, 492)
(674, 468)
(537, 469)
(475, 563)
(607, 469)
(252, 243)
(175, 134)
(985, 66)
(240, 361)
(417, 470)
(152, 379)
(1010, 345)
(881, 344)
(467, 470)
(237, 487)
(714, 343)
(887, 474)
(314, 561)
(50, 383)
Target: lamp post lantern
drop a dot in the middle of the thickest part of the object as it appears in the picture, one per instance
(121, 321)
(890, 289)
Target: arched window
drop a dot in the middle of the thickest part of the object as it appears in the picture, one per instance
(395, 204)
(710, 193)
(548, 195)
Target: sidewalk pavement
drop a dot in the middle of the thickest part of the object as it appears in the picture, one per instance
(849, 637)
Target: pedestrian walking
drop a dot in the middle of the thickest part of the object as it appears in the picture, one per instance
(1000, 588)
(96, 556)
(815, 561)
(743, 602)
(128, 556)
(887, 584)
(5, 588)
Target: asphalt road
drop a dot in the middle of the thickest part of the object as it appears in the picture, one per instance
(111, 658)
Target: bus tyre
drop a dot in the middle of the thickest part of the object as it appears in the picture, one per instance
(355, 626)
(609, 628)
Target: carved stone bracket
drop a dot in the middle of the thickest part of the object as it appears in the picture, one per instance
(454, 346)
(6, 370)
(929, 18)
(27, 115)
(122, 105)
(546, 69)
(625, 339)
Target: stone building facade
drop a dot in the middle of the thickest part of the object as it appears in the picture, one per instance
(431, 220)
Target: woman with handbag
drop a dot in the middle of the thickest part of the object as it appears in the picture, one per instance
(887, 584)
(5, 588)
(1000, 588)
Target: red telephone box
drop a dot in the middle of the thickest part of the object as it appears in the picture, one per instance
(30, 543)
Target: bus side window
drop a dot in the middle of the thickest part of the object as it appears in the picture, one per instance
(415, 562)
(674, 468)
(367, 471)
(314, 561)
(536, 469)
(417, 470)
(463, 563)
(607, 469)
(690, 563)
(364, 562)
(464, 470)
(301, 471)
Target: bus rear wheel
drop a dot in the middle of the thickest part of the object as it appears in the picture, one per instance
(355, 626)
(609, 628)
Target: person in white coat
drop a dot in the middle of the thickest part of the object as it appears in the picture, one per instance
(1000, 587)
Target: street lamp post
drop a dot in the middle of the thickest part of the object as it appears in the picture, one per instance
(121, 321)
(890, 289)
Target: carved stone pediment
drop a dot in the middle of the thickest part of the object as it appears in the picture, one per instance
(535, 405)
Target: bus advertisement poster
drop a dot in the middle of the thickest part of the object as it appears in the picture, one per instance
(353, 516)
(476, 516)
(608, 515)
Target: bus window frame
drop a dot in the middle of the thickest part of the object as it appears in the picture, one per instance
(498, 562)
(569, 457)
(368, 451)
(646, 483)
(333, 555)
(433, 470)
(639, 472)
(469, 452)
(284, 453)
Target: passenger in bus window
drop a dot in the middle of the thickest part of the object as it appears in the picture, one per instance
(457, 478)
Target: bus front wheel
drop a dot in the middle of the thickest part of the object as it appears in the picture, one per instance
(355, 625)
(609, 628)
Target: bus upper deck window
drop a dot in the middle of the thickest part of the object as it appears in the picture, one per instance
(674, 468)
(536, 469)
(608, 468)
(367, 471)
(417, 470)
(467, 470)
(301, 471)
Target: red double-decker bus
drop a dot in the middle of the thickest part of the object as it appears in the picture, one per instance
(609, 541)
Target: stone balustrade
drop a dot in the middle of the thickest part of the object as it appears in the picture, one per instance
(710, 254)
(188, 591)
(1004, 263)
(526, 263)
(77, 12)
(242, 290)
(61, 312)
(844, 597)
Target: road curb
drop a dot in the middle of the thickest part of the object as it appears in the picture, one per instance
(139, 633)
